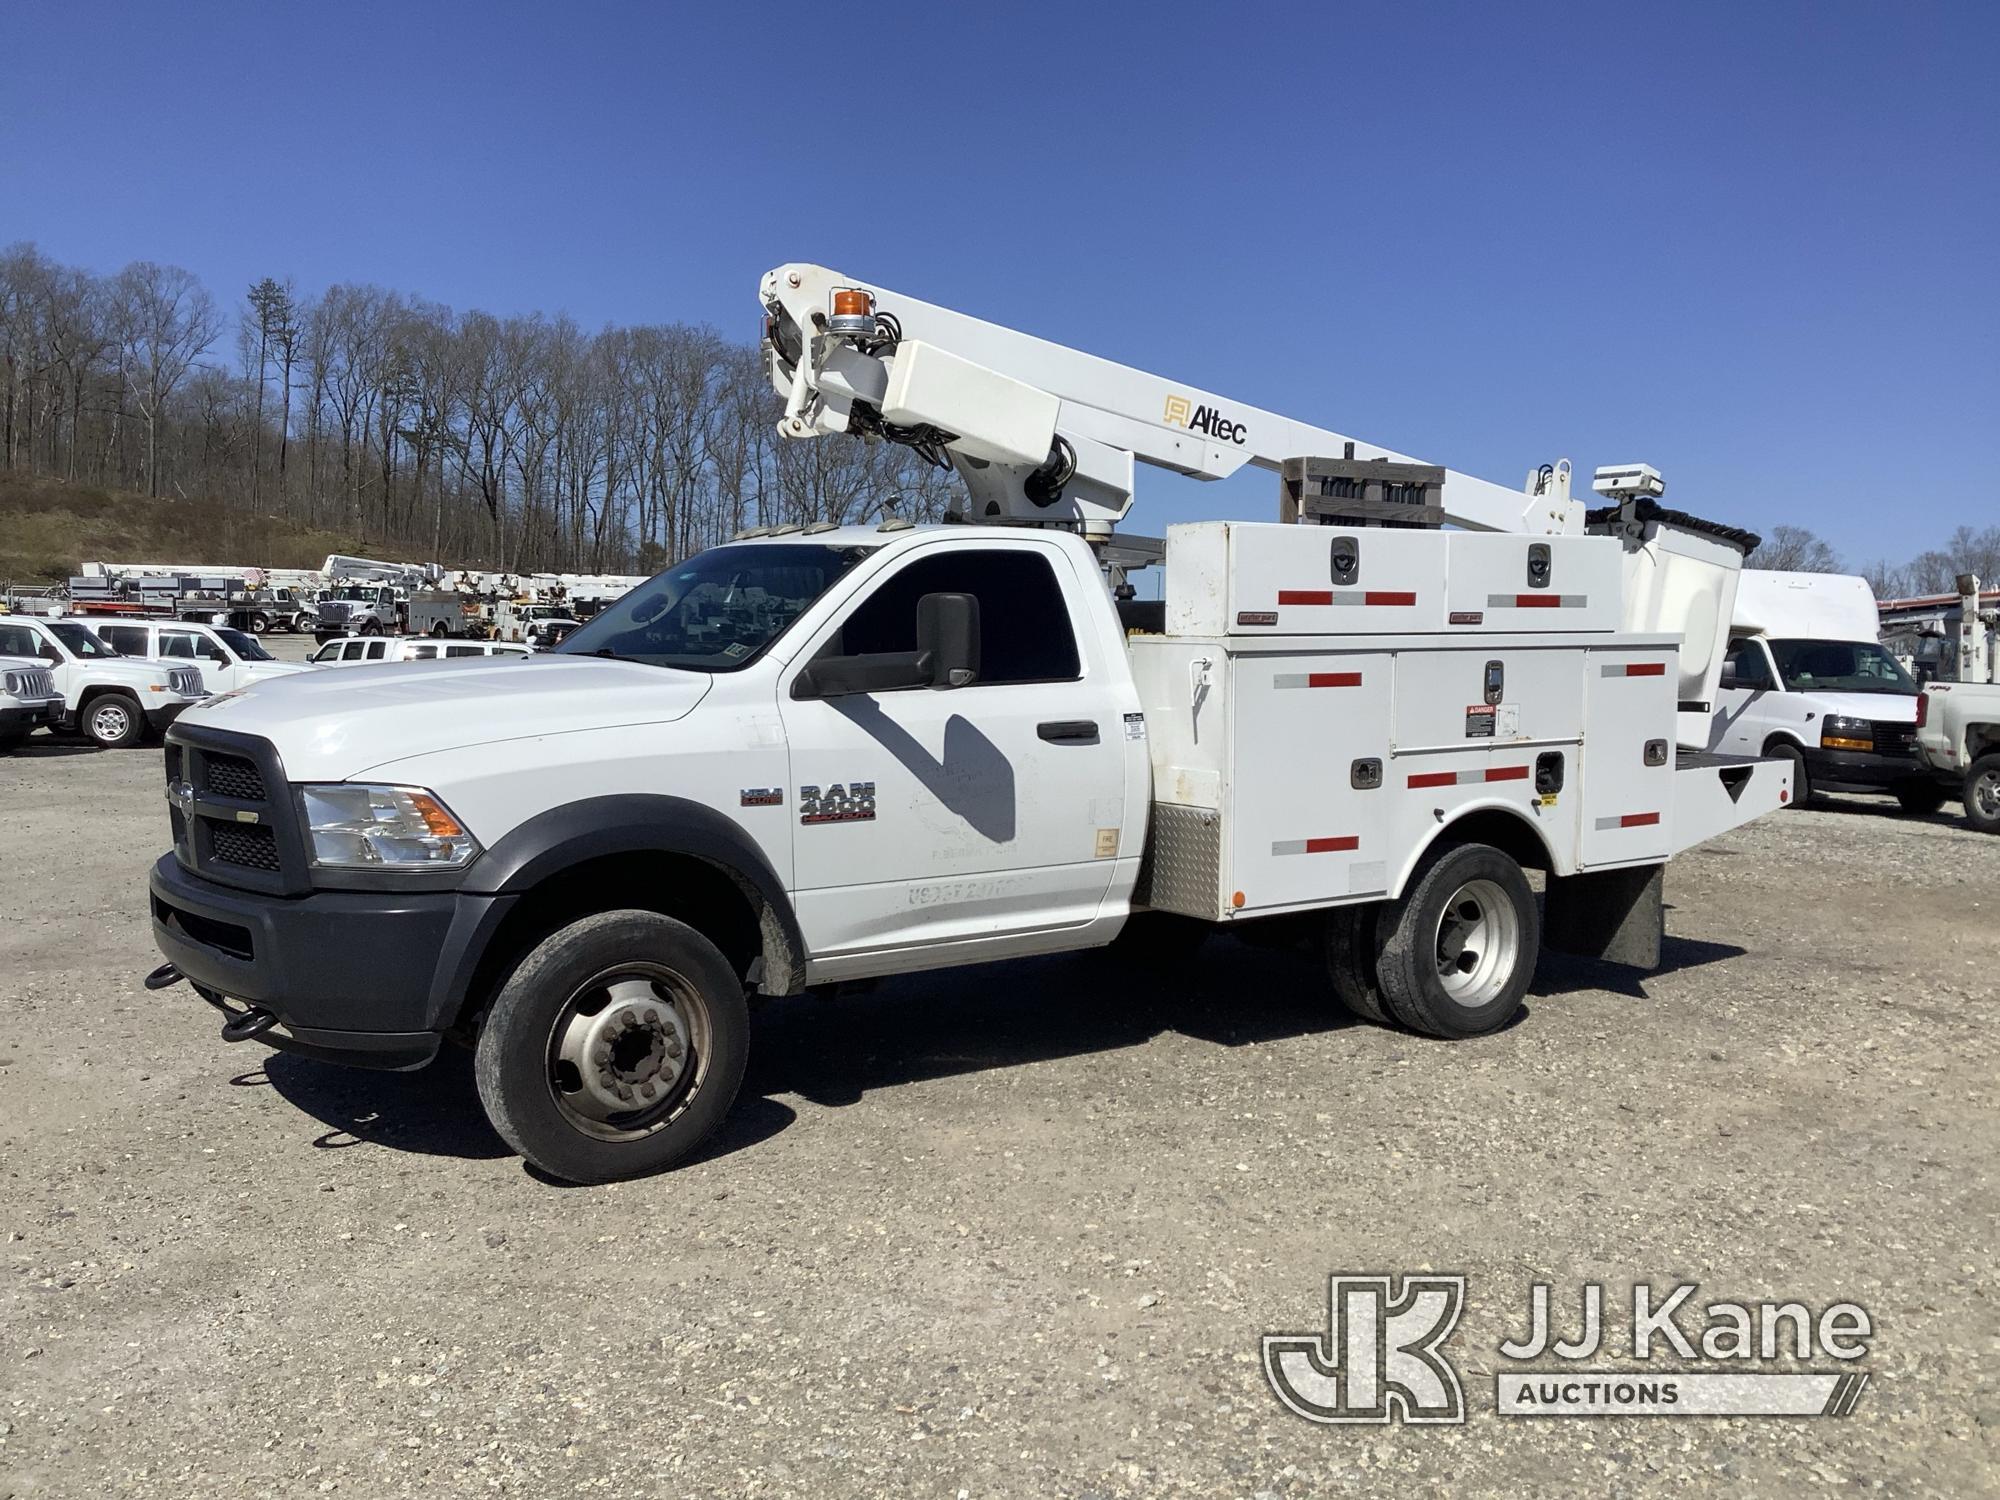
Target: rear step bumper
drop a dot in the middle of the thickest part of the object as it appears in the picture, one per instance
(1715, 793)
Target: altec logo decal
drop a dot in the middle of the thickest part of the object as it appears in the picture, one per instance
(1207, 420)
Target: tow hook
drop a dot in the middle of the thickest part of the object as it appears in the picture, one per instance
(253, 1022)
(164, 977)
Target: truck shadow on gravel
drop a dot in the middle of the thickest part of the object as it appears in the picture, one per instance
(834, 1051)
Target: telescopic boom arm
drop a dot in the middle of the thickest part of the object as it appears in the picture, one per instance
(1045, 434)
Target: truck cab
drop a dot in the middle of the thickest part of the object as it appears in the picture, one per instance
(1805, 679)
(359, 609)
(112, 700)
(229, 659)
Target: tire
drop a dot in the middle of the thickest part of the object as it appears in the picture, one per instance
(259, 624)
(686, 1036)
(113, 720)
(1921, 797)
(12, 739)
(439, 631)
(1460, 947)
(1351, 947)
(371, 627)
(1801, 778)
(1982, 794)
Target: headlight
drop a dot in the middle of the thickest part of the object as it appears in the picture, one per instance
(356, 827)
(1837, 733)
(16, 685)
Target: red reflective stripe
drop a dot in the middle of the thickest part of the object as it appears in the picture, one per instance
(1538, 601)
(1647, 669)
(1638, 820)
(1508, 773)
(1388, 598)
(1305, 596)
(1434, 778)
(1331, 846)
(1333, 679)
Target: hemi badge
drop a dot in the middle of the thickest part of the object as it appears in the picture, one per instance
(246, 817)
(763, 796)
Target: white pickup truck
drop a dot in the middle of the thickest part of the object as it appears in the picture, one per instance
(1958, 735)
(112, 700)
(836, 753)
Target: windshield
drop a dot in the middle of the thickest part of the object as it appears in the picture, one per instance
(1840, 667)
(717, 611)
(246, 646)
(79, 641)
(356, 592)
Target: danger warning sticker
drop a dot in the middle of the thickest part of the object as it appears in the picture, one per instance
(1479, 721)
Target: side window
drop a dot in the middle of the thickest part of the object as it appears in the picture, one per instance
(352, 650)
(377, 650)
(1024, 629)
(423, 652)
(1752, 667)
(126, 640)
(463, 651)
(176, 645)
(326, 653)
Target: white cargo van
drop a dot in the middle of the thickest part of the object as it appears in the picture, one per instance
(1807, 679)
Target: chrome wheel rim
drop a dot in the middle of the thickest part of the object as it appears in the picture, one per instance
(628, 1051)
(1478, 943)
(1986, 794)
(110, 721)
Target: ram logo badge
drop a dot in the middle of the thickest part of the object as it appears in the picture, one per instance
(852, 803)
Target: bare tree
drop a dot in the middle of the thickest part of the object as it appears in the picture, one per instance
(167, 320)
(1793, 549)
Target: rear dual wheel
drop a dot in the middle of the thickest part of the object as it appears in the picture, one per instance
(1452, 957)
(615, 1047)
(1982, 794)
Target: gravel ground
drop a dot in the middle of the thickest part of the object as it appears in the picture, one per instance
(1005, 1231)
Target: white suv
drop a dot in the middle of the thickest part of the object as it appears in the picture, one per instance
(28, 698)
(229, 659)
(107, 697)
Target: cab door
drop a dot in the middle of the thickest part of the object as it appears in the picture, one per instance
(923, 815)
(1742, 711)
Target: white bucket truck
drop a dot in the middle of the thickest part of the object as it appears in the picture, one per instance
(827, 753)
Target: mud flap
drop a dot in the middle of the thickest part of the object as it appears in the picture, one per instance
(1616, 915)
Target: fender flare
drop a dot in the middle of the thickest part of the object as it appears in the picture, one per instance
(640, 823)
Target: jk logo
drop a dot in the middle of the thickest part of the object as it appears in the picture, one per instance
(1379, 1360)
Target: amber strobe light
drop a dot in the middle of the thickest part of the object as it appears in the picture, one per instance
(853, 311)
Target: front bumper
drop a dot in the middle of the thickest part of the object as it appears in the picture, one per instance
(367, 978)
(31, 715)
(1862, 770)
(158, 719)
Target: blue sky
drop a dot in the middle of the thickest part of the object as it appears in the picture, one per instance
(1752, 244)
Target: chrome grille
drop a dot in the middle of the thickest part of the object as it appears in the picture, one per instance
(33, 683)
(186, 681)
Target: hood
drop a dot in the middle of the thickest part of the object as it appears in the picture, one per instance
(333, 726)
(136, 671)
(1889, 708)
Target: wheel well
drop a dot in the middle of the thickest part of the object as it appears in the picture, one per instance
(1513, 835)
(91, 694)
(1980, 739)
(1772, 742)
(705, 896)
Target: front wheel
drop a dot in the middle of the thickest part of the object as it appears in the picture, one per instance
(1982, 794)
(614, 1048)
(1459, 948)
(371, 627)
(259, 624)
(113, 721)
(1920, 796)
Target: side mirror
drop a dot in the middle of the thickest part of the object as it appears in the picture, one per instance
(948, 639)
(1729, 675)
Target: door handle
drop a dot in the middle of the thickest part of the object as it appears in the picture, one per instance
(1072, 731)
